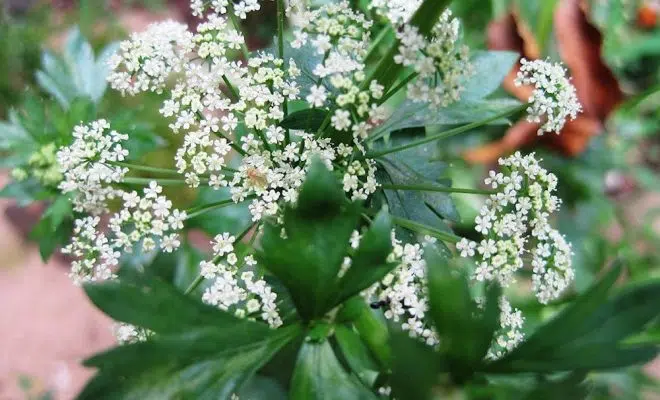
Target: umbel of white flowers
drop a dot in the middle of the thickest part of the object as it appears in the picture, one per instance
(514, 222)
(210, 97)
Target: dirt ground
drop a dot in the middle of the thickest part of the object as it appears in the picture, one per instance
(47, 325)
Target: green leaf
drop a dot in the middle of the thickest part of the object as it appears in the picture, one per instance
(309, 120)
(162, 308)
(372, 330)
(233, 218)
(490, 69)
(76, 73)
(318, 375)
(421, 206)
(466, 331)
(414, 115)
(562, 328)
(589, 334)
(12, 136)
(209, 363)
(357, 354)
(321, 194)
(416, 368)
(25, 192)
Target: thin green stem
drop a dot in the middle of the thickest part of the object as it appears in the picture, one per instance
(145, 168)
(162, 182)
(424, 229)
(398, 87)
(197, 211)
(231, 87)
(281, 16)
(194, 284)
(434, 188)
(444, 135)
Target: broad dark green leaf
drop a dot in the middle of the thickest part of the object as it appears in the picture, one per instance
(562, 328)
(149, 302)
(309, 120)
(589, 333)
(372, 330)
(202, 363)
(308, 259)
(416, 368)
(466, 331)
(319, 375)
(357, 354)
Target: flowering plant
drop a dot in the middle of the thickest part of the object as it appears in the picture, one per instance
(342, 275)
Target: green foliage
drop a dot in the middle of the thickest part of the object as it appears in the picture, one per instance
(77, 73)
(317, 233)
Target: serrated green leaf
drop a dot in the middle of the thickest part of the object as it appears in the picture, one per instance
(162, 308)
(210, 363)
(318, 375)
(421, 206)
(414, 115)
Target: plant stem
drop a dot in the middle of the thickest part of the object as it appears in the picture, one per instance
(434, 188)
(421, 228)
(445, 134)
(145, 168)
(281, 15)
(145, 181)
(197, 211)
(194, 284)
(231, 87)
(398, 87)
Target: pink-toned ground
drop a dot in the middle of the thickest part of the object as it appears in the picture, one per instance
(47, 325)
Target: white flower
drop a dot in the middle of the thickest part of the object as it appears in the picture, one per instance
(553, 100)
(317, 96)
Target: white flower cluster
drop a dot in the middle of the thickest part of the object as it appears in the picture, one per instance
(89, 173)
(442, 64)
(127, 333)
(239, 8)
(236, 284)
(341, 35)
(553, 100)
(397, 11)
(148, 219)
(510, 335)
(146, 61)
(87, 166)
(402, 293)
(514, 222)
